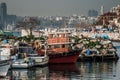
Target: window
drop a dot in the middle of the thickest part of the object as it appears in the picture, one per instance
(56, 46)
(51, 36)
(63, 46)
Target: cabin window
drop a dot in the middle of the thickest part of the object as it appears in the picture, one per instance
(51, 36)
(56, 46)
(63, 46)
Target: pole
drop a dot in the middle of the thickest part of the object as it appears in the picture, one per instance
(45, 45)
(0, 54)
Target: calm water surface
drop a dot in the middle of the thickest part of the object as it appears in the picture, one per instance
(79, 71)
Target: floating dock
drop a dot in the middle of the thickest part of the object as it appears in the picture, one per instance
(101, 57)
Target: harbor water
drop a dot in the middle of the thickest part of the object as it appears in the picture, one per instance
(109, 70)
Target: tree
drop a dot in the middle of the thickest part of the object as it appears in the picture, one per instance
(28, 24)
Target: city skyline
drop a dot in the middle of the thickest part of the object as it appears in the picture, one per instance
(57, 7)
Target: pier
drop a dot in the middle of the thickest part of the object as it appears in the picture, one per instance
(100, 57)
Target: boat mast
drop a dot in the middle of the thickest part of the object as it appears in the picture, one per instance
(45, 45)
(0, 54)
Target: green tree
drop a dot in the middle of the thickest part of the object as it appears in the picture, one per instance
(28, 24)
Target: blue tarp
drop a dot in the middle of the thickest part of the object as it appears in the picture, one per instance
(6, 41)
(89, 52)
(105, 36)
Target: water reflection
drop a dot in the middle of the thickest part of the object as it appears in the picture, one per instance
(29, 74)
(97, 70)
(50, 72)
(20, 74)
(79, 71)
(64, 72)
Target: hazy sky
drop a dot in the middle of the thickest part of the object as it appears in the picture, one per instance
(56, 7)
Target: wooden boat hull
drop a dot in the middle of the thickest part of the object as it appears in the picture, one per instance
(70, 57)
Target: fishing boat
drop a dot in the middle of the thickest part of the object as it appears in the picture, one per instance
(98, 49)
(23, 63)
(59, 48)
(31, 54)
(39, 60)
(21, 60)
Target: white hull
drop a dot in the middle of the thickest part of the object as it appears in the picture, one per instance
(40, 60)
(22, 64)
(4, 68)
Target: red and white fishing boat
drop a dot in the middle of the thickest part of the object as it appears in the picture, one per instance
(60, 49)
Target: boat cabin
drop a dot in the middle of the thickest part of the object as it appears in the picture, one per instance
(59, 42)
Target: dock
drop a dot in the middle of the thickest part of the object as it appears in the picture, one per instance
(100, 57)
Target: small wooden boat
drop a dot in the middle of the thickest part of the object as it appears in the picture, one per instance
(31, 55)
(39, 60)
(21, 63)
(104, 55)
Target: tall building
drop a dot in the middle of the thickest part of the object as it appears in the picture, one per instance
(3, 14)
(92, 13)
(102, 10)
